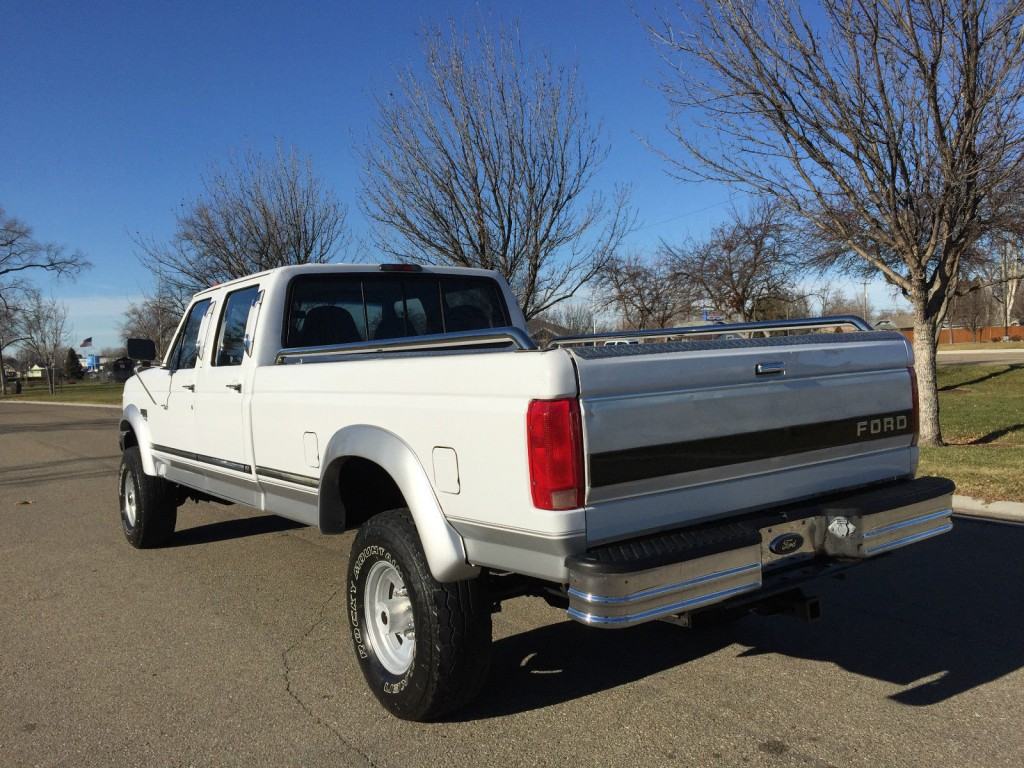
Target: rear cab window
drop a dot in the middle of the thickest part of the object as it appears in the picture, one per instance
(344, 308)
(185, 350)
(230, 343)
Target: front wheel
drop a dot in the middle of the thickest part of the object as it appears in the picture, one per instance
(149, 507)
(423, 646)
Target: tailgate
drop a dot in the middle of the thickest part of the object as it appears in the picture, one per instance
(686, 431)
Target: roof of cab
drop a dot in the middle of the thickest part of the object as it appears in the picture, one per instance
(293, 269)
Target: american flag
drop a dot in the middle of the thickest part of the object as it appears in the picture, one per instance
(86, 342)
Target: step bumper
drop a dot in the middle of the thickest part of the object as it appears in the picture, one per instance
(676, 572)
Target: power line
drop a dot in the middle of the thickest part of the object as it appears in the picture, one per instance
(670, 219)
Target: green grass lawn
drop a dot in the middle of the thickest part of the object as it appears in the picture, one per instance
(982, 415)
(108, 393)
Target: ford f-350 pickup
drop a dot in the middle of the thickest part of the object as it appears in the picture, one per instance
(708, 468)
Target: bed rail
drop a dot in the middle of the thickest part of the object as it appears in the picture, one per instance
(802, 324)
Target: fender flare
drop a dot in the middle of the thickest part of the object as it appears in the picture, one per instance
(444, 548)
(140, 427)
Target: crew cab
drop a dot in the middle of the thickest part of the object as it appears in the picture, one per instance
(703, 468)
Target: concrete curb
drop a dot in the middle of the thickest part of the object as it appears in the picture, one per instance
(1010, 511)
(54, 402)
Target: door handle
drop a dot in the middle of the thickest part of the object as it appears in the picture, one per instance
(236, 386)
(768, 369)
(189, 387)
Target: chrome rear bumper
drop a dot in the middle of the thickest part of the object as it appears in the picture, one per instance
(677, 572)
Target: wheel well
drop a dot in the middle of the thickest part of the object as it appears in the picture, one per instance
(128, 438)
(356, 489)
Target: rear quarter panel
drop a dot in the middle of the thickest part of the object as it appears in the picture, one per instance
(474, 403)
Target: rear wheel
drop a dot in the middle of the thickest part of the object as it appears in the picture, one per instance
(423, 646)
(149, 507)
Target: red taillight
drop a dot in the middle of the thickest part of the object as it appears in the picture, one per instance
(554, 439)
(915, 405)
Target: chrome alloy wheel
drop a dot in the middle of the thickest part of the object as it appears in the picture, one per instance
(388, 620)
(128, 506)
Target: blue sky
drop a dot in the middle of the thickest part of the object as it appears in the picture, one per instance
(111, 112)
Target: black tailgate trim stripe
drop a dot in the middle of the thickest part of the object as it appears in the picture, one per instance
(212, 460)
(614, 467)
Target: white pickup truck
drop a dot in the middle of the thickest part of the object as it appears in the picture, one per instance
(717, 468)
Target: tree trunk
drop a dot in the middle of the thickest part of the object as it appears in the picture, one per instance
(925, 342)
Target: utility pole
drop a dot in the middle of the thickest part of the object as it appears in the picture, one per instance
(1004, 264)
(865, 284)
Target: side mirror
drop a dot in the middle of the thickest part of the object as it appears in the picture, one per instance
(141, 349)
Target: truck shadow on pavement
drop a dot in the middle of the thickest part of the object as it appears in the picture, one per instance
(236, 528)
(937, 620)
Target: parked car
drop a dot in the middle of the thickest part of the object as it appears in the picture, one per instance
(621, 483)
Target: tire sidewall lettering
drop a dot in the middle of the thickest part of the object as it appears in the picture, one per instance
(366, 557)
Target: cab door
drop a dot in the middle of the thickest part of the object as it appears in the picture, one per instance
(174, 432)
(222, 386)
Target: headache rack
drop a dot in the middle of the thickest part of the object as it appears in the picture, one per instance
(712, 329)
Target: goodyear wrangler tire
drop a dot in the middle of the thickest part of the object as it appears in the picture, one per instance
(149, 508)
(423, 646)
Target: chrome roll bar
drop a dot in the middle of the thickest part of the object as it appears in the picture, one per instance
(801, 324)
(434, 341)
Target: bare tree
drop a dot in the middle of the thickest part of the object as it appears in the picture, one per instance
(835, 301)
(972, 309)
(577, 317)
(155, 317)
(252, 215)
(485, 162)
(783, 305)
(647, 293)
(1007, 273)
(45, 325)
(893, 128)
(10, 332)
(21, 255)
(746, 267)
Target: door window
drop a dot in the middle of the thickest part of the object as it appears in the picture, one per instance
(231, 336)
(186, 348)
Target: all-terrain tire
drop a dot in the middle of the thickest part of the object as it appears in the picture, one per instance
(450, 652)
(148, 504)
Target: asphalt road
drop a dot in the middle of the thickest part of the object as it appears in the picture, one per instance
(230, 648)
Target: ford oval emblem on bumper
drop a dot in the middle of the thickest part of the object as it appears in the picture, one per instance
(786, 543)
